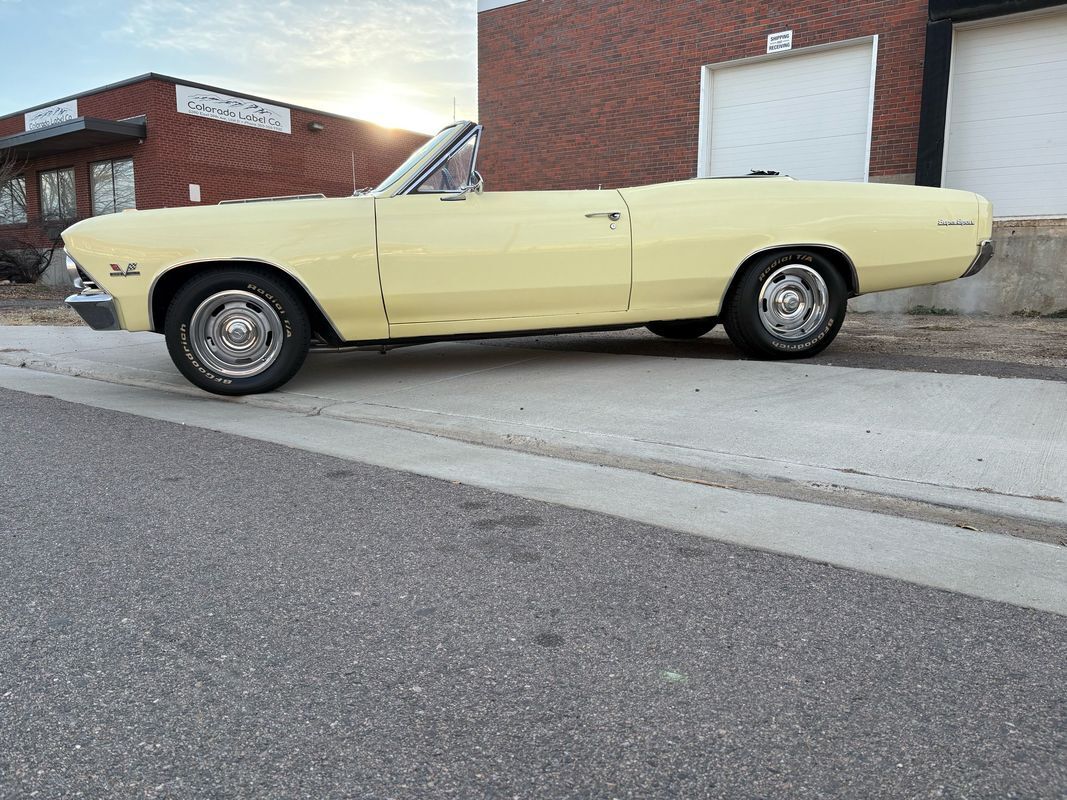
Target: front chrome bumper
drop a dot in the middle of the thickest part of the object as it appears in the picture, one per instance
(986, 251)
(97, 309)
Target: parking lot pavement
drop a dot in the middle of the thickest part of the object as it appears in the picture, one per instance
(185, 613)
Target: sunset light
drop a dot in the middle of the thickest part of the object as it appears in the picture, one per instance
(388, 107)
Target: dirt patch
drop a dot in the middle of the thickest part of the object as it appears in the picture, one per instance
(35, 304)
(33, 291)
(39, 316)
(1035, 341)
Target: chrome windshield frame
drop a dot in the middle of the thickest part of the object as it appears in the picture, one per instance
(418, 159)
(417, 177)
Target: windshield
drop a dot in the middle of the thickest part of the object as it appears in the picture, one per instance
(422, 153)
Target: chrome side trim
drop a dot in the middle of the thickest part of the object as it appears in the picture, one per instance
(986, 250)
(97, 310)
(273, 199)
(72, 269)
(79, 276)
(462, 140)
(290, 273)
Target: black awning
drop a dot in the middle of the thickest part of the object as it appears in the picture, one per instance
(74, 134)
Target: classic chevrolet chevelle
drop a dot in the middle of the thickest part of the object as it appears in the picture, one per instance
(243, 291)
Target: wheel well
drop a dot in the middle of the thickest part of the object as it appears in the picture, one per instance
(840, 262)
(169, 283)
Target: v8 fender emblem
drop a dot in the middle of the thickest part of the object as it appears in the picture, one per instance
(122, 272)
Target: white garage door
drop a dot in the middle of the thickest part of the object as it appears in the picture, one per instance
(803, 114)
(1007, 116)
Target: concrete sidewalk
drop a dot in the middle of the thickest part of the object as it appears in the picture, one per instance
(984, 453)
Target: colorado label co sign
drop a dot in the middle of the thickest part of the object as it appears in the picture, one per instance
(237, 110)
(53, 115)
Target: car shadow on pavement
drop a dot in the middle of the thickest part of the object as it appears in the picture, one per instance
(849, 350)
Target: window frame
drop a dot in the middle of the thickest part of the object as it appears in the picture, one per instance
(412, 188)
(25, 206)
(40, 194)
(114, 205)
(454, 151)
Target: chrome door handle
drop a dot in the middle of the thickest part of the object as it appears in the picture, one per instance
(614, 216)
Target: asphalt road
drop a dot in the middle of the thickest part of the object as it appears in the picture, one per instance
(189, 614)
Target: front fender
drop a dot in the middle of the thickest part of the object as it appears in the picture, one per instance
(326, 246)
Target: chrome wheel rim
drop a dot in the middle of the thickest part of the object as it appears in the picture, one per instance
(236, 334)
(793, 302)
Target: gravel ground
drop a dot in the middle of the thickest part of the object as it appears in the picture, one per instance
(35, 304)
(1037, 341)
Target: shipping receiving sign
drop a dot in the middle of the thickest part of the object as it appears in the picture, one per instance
(779, 42)
(53, 115)
(236, 110)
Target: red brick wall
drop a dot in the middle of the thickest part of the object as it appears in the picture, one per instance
(574, 93)
(228, 161)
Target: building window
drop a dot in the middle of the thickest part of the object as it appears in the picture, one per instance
(59, 200)
(13, 202)
(112, 185)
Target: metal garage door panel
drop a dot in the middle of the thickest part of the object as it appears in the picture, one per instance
(807, 115)
(1007, 117)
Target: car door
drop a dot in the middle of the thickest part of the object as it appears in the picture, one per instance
(500, 255)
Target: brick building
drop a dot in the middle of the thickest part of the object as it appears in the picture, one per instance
(962, 93)
(156, 141)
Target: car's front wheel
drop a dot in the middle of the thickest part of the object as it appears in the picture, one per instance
(237, 331)
(786, 305)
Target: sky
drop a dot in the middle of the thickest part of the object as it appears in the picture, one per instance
(399, 63)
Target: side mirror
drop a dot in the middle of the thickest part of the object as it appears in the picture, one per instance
(476, 185)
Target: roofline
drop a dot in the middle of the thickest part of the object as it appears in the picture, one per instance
(156, 76)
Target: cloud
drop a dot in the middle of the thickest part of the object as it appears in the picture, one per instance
(320, 52)
(306, 33)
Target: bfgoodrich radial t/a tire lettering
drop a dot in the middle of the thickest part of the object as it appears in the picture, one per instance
(786, 305)
(237, 331)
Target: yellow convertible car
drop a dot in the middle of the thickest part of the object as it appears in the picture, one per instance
(243, 291)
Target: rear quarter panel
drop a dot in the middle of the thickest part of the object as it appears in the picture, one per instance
(689, 238)
(327, 245)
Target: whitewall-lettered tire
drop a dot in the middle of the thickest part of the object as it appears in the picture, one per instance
(237, 331)
(786, 305)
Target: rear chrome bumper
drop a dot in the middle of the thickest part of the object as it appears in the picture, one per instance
(97, 309)
(986, 251)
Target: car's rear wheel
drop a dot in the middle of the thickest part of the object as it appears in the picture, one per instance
(786, 305)
(682, 328)
(237, 331)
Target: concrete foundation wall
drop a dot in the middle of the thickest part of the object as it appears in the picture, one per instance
(1029, 273)
(56, 274)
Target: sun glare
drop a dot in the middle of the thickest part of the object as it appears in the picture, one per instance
(393, 111)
